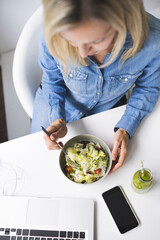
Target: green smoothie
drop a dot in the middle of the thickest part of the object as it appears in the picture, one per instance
(142, 181)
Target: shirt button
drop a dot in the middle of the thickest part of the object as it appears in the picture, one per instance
(126, 79)
(81, 113)
(88, 106)
(94, 101)
(71, 75)
(98, 93)
(100, 77)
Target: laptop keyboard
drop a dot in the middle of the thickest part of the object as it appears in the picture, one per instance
(32, 234)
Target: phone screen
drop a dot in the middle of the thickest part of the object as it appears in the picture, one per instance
(120, 209)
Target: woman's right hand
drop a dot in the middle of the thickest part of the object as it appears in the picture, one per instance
(57, 129)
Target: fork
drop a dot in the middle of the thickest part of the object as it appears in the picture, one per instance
(70, 162)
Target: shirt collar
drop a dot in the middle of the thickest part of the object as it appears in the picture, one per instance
(128, 42)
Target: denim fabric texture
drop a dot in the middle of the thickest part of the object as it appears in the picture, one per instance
(89, 90)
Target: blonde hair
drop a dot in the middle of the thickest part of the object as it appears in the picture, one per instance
(122, 15)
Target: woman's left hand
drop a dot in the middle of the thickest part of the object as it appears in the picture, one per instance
(119, 151)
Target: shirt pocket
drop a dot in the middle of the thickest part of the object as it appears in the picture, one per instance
(123, 82)
(76, 81)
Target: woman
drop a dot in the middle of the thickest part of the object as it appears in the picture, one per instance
(93, 52)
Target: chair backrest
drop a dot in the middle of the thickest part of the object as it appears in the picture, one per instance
(26, 70)
(155, 11)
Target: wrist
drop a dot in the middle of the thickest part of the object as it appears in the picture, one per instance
(62, 121)
(124, 132)
(59, 122)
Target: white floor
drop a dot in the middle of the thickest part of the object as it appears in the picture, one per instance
(18, 122)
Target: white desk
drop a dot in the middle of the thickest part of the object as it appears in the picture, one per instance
(44, 178)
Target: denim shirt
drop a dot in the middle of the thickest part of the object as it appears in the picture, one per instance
(88, 90)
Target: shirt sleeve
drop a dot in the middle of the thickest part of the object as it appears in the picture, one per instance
(53, 86)
(143, 98)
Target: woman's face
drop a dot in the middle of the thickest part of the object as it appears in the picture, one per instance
(91, 37)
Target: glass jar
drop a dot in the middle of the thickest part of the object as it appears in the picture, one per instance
(142, 181)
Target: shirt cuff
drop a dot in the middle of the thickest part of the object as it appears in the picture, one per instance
(129, 124)
(56, 112)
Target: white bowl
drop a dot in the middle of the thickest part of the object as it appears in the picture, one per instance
(88, 138)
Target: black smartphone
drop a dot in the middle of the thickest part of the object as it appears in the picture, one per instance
(120, 209)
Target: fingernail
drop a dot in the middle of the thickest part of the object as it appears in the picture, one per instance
(113, 157)
(52, 137)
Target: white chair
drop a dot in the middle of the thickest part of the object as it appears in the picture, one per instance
(26, 70)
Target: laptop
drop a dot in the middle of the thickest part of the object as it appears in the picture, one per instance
(27, 218)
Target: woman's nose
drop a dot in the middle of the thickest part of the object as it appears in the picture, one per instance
(83, 50)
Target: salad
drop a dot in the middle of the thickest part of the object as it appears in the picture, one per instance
(86, 162)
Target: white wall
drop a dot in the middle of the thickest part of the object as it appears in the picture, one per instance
(13, 15)
(18, 122)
